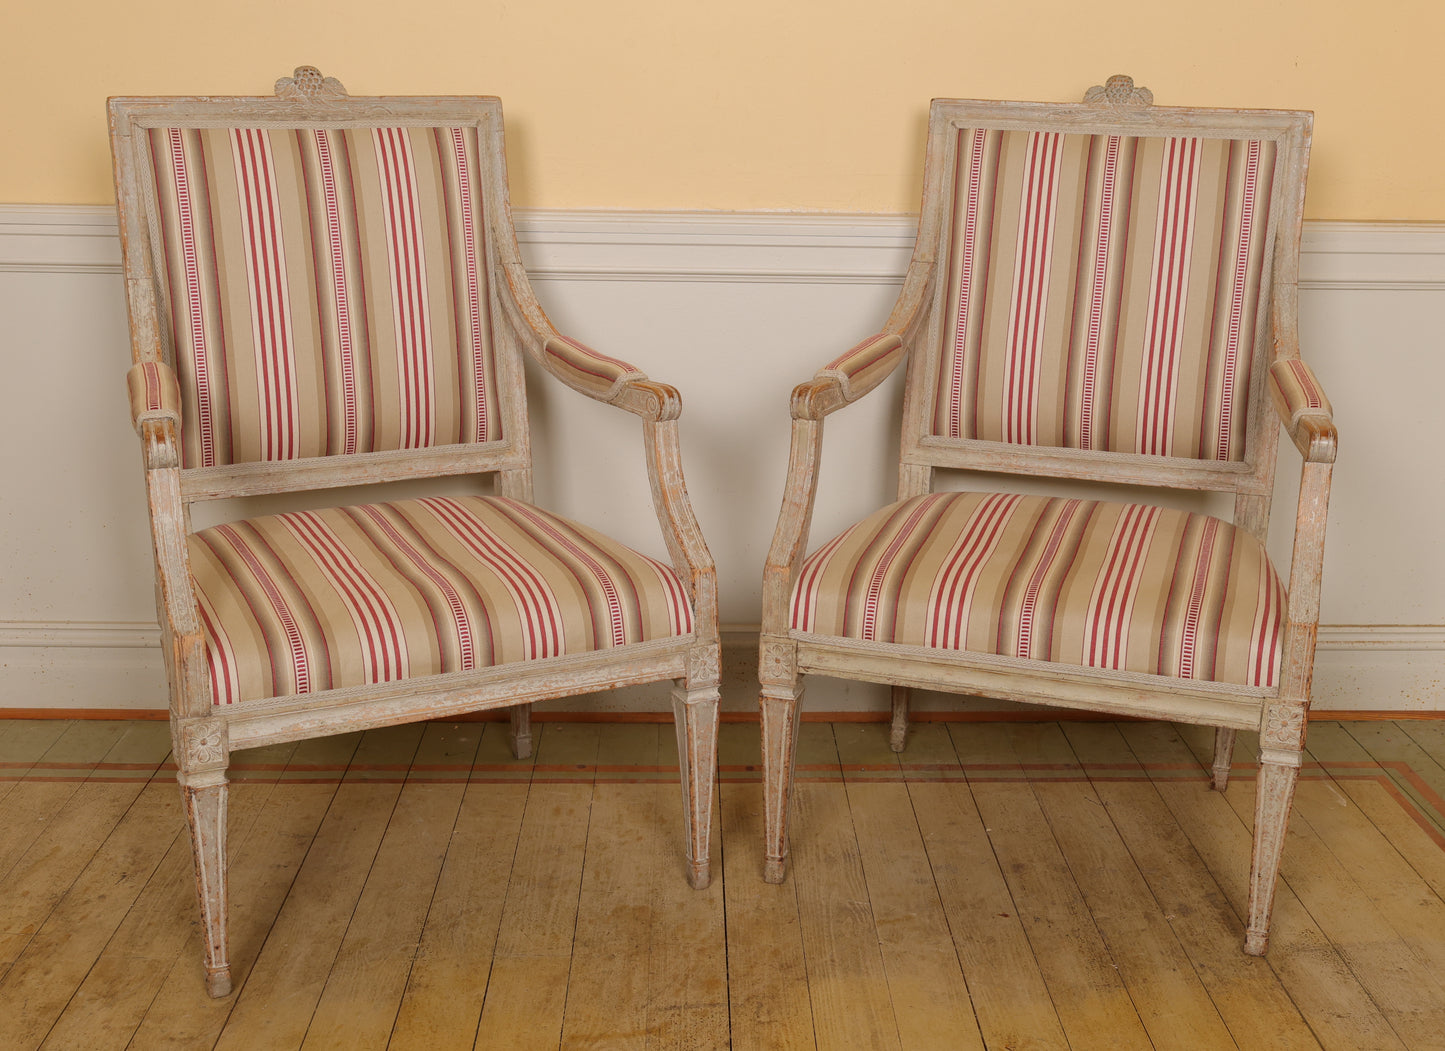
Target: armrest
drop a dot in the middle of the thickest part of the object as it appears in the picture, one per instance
(1304, 409)
(155, 394)
(848, 377)
(609, 380)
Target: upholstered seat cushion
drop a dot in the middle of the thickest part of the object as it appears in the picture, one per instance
(316, 600)
(1130, 587)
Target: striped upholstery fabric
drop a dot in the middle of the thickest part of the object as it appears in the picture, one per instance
(154, 393)
(863, 367)
(1294, 388)
(316, 600)
(1129, 587)
(588, 369)
(326, 289)
(1106, 291)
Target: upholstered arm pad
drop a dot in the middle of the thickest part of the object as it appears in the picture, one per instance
(1303, 408)
(607, 379)
(154, 393)
(848, 377)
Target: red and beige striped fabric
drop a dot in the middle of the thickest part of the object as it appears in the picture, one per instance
(586, 368)
(317, 600)
(863, 367)
(1129, 587)
(1298, 394)
(154, 393)
(326, 289)
(1106, 291)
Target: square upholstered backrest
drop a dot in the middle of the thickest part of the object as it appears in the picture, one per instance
(320, 272)
(1103, 276)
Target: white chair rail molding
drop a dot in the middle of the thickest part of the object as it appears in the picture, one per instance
(738, 308)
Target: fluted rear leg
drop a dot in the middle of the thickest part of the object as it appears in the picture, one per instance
(695, 717)
(780, 706)
(1278, 771)
(204, 797)
(521, 731)
(898, 731)
(1223, 756)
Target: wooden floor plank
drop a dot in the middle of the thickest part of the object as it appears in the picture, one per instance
(1092, 1002)
(1010, 998)
(87, 814)
(1337, 1008)
(275, 1005)
(767, 973)
(1243, 990)
(359, 1005)
(263, 865)
(847, 981)
(54, 963)
(607, 986)
(115, 996)
(964, 893)
(1167, 994)
(925, 981)
(1412, 1001)
(1414, 770)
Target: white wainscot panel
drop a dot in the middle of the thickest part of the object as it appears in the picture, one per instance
(733, 310)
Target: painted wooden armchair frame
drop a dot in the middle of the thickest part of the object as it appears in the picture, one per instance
(307, 168)
(984, 303)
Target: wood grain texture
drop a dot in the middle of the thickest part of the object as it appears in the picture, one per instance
(1049, 886)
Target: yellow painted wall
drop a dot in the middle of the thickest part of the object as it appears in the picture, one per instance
(742, 104)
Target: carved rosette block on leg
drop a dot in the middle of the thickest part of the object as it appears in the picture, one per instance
(202, 755)
(898, 730)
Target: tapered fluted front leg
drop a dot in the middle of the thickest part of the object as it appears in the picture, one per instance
(898, 731)
(205, 804)
(1223, 756)
(521, 731)
(1278, 771)
(780, 706)
(695, 717)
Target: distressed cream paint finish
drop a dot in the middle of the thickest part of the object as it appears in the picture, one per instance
(753, 104)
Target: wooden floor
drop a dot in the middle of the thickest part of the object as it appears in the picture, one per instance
(1008, 885)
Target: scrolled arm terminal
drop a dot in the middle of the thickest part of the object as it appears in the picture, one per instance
(1304, 409)
(848, 377)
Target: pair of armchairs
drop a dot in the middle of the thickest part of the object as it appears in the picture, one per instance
(326, 291)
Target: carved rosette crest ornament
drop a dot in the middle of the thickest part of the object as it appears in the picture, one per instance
(308, 85)
(1120, 93)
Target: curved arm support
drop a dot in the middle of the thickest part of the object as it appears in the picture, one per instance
(680, 530)
(790, 539)
(586, 371)
(1304, 580)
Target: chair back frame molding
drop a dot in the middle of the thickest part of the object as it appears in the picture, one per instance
(1281, 393)
(512, 324)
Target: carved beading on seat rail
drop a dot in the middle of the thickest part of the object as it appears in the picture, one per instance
(1119, 91)
(308, 85)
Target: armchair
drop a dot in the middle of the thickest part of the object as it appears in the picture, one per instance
(326, 291)
(1102, 292)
